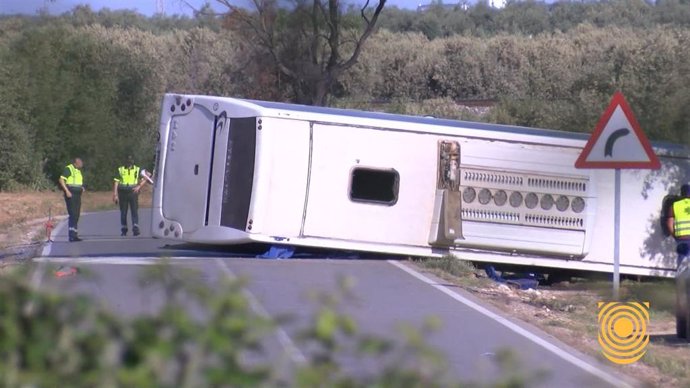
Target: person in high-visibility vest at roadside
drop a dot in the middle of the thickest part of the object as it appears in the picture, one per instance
(72, 184)
(679, 223)
(129, 180)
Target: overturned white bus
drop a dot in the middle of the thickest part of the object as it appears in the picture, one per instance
(234, 171)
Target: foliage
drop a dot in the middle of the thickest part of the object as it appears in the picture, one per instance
(94, 92)
(82, 92)
(70, 339)
(449, 264)
(534, 17)
(49, 338)
(560, 81)
(19, 165)
(310, 44)
(89, 83)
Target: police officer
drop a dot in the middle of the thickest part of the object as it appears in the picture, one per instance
(126, 188)
(679, 223)
(72, 184)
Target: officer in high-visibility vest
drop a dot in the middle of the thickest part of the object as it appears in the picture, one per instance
(679, 223)
(129, 180)
(72, 184)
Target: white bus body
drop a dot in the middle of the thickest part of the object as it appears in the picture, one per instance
(236, 171)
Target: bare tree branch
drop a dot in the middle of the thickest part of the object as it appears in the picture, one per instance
(364, 16)
(334, 40)
(315, 31)
(367, 32)
(196, 11)
(305, 43)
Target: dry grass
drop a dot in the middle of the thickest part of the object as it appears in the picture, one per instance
(23, 215)
(568, 311)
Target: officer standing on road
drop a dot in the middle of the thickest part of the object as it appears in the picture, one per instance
(72, 184)
(679, 223)
(128, 182)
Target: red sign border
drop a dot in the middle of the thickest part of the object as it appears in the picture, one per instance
(618, 100)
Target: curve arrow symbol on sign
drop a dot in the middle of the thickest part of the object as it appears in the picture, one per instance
(618, 133)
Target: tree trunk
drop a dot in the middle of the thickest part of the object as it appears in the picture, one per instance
(320, 92)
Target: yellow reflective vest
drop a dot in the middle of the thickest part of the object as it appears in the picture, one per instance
(681, 218)
(74, 178)
(128, 176)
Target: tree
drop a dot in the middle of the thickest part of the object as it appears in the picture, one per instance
(310, 44)
(524, 17)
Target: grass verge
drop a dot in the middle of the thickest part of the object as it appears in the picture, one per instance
(23, 215)
(568, 311)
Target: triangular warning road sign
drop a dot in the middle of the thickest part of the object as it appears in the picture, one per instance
(618, 141)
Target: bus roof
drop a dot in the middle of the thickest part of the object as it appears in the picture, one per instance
(426, 120)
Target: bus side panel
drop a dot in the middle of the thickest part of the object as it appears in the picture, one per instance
(642, 239)
(520, 198)
(281, 178)
(543, 171)
(337, 152)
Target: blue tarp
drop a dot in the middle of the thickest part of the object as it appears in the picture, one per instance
(523, 282)
(278, 252)
(288, 252)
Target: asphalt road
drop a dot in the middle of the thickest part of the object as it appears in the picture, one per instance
(385, 294)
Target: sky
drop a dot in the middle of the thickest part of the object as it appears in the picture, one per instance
(146, 7)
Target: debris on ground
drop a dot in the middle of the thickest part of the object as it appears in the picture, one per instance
(519, 281)
(289, 252)
(66, 271)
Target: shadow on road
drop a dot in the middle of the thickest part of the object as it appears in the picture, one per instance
(109, 246)
(264, 251)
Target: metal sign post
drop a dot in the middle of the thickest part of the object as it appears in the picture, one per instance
(616, 143)
(617, 237)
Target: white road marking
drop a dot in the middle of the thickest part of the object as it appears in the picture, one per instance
(116, 260)
(295, 354)
(49, 245)
(517, 329)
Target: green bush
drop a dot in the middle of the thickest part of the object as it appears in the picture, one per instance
(51, 339)
(450, 265)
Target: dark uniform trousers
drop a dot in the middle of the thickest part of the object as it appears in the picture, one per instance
(73, 210)
(128, 199)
